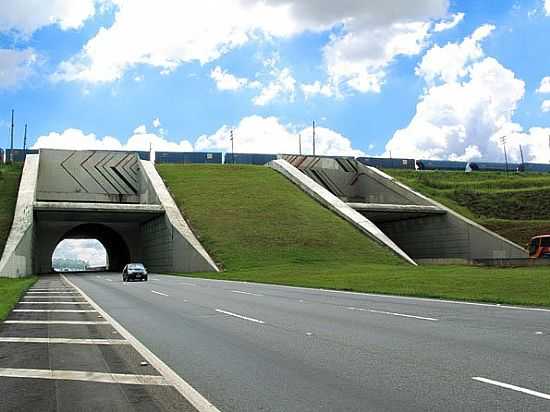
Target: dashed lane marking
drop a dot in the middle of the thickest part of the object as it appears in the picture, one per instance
(383, 312)
(159, 293)
(246, 293)
(512, 387)
(240, 316)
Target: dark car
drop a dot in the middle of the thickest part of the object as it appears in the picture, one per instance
(134, 271)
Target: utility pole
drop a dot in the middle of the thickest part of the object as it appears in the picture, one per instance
(503, 140)
(11, 136)
(25, 140)
(300, 143)
(314, 138)
(232, 146)
(521, 154)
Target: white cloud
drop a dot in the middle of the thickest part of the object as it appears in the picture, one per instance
(359, 58)
(16, 66)
(156, 123)
(88, 250)
(283, 84)
(256, 134)
(26, 16)
(76, 139)
(547, 7)
(450, 62)
(227, 81)
(316, 88)
(371, 34)
(545, 106)
(450, 23)
(467, 108)
(544, 85)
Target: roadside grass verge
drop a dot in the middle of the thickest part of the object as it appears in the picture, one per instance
(11, 291)
(516, 286)
(9, 184)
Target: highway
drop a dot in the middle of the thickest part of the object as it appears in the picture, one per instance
(255, 347)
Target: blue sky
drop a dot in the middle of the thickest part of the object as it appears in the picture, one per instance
(115, 74)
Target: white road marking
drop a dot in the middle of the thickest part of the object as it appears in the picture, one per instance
(66, 340)
(246, 293)
(50, 297)
(51, 290)
(55, 310)
(186, 284)
(188, 392)
(29, 302)
(240, 316)
(47, 293)
(159, 293)
(513, 387)
(59, 322)
(109, 280)
(120, 378)
(383, 312)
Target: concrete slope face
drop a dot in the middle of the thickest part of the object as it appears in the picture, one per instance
(424, 229)
(109, 196)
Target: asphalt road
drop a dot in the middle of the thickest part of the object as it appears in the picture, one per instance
(251, 347)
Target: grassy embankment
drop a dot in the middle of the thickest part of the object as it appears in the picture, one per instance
(514, 205)
(11, 291)
(9, 184)
(261, 228)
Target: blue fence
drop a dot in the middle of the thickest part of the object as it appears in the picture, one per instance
(384, 163)
(188, 157)
(249, 158)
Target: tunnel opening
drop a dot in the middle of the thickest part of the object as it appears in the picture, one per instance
(93, 246)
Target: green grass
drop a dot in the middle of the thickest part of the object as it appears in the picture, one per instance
(253, 217)
(261, 228)
(9, 184)
(11, 291)
(515, 205)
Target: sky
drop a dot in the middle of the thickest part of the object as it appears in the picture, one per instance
(429, 79)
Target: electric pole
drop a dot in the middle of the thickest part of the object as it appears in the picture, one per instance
(300, 143)
(232, 146)
(25, 140)
(521, 154)
(503, 140)
(314, 138)
(11, 136)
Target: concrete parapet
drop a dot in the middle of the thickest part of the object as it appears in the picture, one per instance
(332, 202)
(17, 258)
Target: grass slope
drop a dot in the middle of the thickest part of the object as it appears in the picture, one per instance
(11, 291)
(9, 184)
(253, 217)
(264, 229)
(513, 205)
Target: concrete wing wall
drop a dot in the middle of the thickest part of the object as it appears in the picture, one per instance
(17, 258)
(168, 242)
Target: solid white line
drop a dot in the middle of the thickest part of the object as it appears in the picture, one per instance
(513, 387)
(46, 293)
(109, 280)
(246, 293)
(59, 322)
(56, 310)
(383, 312)
(66, 340)
(50, 290)
(159, 293)
(50, 297)
(120, 378)
(240, 316)
(188, 392)
(29, 302)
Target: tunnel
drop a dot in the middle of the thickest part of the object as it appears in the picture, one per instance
(118, 254)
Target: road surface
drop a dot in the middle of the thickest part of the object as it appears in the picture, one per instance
(253, 347)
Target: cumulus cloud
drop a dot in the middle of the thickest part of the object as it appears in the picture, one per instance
(547, 7)
(16, 66)
(227, 81)
(544, 85)
(256, 134)
(367, 35)
(545, 106)
(156, 123)
(283, 84)
(467, 107)
(88, 250)
(317, 88)
(141, 140)
(450, 23)
(26, 16)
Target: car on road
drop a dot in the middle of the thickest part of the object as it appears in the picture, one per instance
(134, 271)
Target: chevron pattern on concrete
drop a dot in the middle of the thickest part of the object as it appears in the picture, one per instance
(89, 176)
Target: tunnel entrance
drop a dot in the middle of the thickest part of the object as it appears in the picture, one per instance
(117, 253)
